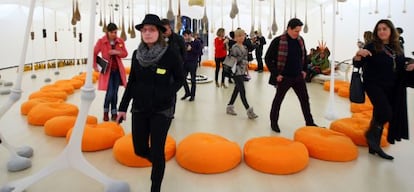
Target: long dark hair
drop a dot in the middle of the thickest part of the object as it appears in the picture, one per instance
(393, 41)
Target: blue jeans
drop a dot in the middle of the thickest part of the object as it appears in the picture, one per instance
(111, 97)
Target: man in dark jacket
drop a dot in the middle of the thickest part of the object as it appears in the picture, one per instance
(286, 60)
(193, 48)
(173, 39)
(259, 41)
(176, 43)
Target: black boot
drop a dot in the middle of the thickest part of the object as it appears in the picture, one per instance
(373, 136)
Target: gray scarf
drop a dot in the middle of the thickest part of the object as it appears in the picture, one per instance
(148, 57)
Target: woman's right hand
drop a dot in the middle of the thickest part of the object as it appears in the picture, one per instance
(363, 53)
(279, 78)
(121, 115)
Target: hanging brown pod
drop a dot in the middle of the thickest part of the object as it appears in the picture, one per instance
(77, 13)
(73, 20)
(100, 18)
(32, 35)
(56, 39)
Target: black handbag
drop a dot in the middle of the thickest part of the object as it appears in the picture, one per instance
(356, 89)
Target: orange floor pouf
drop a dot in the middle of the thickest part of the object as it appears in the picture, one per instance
(123, 152)
(208, 63)
(59, 126)
(207, 153)
(28, 105)
(53, 94)
(276, 155)
(76, 84)
(45, 111)
(337, 84)
(355, 129)
(363, 114)
(127, 70)
(52, 88)
(361, 107)
(99, 137)
(343, 90)
(325, 144)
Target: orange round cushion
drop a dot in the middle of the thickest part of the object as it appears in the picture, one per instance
(326, 144)
(337, 84)
(208, 63)
(76, 84)
(363, 114)
(99, 137)
(343, 90)
(207, 153)
(69, 89)
(358, 108)
(276, 155)
(53, 94)
(127, 70)
(52, 88)
(60, 125)
(45, 111)
(28, 105)
(124, 153)
(355, 129)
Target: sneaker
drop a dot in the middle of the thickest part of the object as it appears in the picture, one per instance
(251, 114)
(230, 110)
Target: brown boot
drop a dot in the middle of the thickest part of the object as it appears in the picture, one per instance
(106, 116)
(114, 116)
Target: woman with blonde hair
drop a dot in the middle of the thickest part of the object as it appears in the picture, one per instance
(239, 51)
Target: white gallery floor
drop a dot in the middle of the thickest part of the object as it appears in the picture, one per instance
(207, 114)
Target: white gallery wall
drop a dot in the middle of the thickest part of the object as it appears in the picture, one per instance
(57, 14)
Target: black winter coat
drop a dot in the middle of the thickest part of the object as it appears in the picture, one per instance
(153, 88)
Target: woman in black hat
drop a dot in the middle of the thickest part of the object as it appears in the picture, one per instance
(156, 75)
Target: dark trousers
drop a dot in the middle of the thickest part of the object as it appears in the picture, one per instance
(190, 67)
(219, 61)
(381, 98)
(299, 86)
(259, 54)
(239, 88)
(152, 128)
(111, 97)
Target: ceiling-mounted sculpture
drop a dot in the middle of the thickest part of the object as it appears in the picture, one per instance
(123, 33)
(306, 28)
(234, 9)
(178, 21)
(405, 7)
(133, 34)
(170, 14)
(196, 3)
(274, 24)
(204, 20)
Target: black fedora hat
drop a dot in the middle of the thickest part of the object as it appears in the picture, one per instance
(151, 19)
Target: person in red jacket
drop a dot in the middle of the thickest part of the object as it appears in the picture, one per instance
(112, 49)
(220, 54)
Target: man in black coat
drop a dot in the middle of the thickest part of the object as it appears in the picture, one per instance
(176, 43)
(286, 60)
(259, 41)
